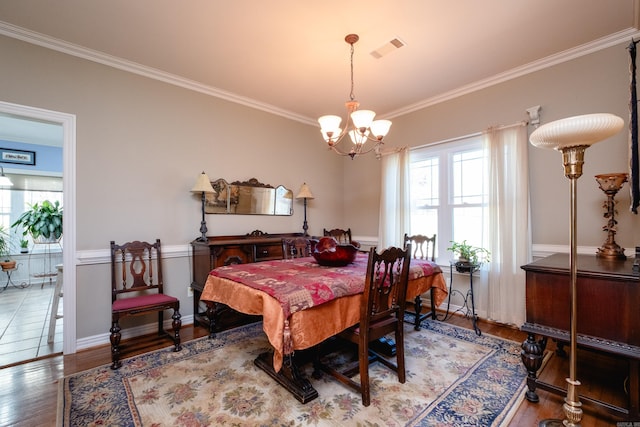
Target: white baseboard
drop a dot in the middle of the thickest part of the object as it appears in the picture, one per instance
(102, 339)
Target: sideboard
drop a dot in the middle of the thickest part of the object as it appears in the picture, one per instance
(217, 251)
(608, 318)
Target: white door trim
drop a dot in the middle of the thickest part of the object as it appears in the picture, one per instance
(68, 122)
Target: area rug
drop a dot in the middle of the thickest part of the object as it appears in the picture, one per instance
(454, 378)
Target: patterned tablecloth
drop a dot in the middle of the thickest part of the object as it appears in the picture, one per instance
(297, 285)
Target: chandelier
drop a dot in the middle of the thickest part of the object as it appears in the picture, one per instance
(359, 124)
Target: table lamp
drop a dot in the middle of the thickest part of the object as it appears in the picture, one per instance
(572, 136)
(305, 193)
(203, 185)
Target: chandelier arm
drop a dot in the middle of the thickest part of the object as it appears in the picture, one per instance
(356, 150)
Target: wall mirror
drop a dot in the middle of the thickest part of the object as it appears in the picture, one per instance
(248, 198)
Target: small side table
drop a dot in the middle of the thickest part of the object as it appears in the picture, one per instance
(10, 271)
(468, 297)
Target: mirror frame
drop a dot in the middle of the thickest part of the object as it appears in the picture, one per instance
(248, 198)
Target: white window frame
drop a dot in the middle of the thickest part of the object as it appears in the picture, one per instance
(444, 151)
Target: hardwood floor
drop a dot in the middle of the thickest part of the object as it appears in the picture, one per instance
(28, 396)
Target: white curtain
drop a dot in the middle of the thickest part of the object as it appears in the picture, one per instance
(509, 223)
(395, 207)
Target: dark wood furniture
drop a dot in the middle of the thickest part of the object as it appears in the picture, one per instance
(381, 313)
(297, 247)
(137, 288)
(225, 250)
(306, 327)
(608, 318)
(342, 236)
(422, 247)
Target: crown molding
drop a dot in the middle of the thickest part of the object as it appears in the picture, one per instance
(52, 43)
(43, 40)
(614, 39)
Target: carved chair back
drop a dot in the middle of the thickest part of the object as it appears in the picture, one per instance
(423, 247)
(298, 247)
(342, 236)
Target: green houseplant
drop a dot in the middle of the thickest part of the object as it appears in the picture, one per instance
(468, 255)
(43, 221)
(24, 246)
(5, 250)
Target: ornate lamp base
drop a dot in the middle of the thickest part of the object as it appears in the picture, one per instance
(611, 183)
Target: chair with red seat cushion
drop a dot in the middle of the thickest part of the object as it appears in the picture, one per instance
(137, 288)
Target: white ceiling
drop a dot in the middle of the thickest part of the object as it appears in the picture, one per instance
(289, 56)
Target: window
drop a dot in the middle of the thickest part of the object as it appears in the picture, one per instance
(26, 190)
(448, 193)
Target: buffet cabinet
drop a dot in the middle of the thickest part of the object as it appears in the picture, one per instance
(218, 251)
(608, 318)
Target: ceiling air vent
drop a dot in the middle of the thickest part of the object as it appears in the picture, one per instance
(387, 48)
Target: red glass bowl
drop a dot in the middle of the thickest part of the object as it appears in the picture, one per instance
(329, 253)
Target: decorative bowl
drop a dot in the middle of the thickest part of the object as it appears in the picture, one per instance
(329, 253)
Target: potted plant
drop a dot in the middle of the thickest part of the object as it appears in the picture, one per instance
(43, 221)
(469, 256)
(24, 246)
(5, 251)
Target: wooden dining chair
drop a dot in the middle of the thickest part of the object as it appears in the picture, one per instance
(343, 237)
(424, 248)
(381, 313)
(137, 288)
(297, 247)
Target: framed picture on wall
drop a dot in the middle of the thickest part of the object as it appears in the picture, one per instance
(21, 157)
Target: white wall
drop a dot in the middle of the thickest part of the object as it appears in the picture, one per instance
(141, 145)
(595, 83)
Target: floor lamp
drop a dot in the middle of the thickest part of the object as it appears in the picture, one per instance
(203, 185)
(572, 136)
(305, 193)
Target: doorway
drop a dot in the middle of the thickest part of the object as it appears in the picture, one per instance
(68, 127)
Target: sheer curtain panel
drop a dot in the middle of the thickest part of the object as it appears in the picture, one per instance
(394, 199)
(509, 222)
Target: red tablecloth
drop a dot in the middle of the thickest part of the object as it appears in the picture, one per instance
(303, 303)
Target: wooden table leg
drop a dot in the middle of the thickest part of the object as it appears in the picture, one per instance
(290, 376)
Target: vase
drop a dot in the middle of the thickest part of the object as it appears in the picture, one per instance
(611, 183)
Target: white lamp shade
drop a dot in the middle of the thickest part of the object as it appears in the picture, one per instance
(357, 137)
(330, 124)
(305, 192)
(203, 184)
(4, 180)
(380, 128)
(362, 118)
(576, 131)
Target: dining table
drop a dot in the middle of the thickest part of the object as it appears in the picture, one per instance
(303, 303)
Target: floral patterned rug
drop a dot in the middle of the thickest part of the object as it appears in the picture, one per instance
(454, 378)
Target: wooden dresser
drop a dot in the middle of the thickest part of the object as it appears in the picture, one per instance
(225, 250)
(608, 314)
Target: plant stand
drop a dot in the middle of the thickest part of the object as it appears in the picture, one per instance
(48, 271)
(467, 298)
(10, 271)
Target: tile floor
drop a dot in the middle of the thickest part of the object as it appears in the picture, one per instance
(24, 321)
